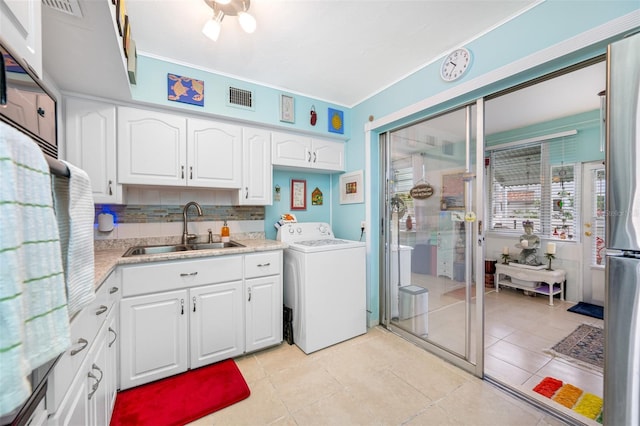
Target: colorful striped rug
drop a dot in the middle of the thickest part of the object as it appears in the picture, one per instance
(572, 397)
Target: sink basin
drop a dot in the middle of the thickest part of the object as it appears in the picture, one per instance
(208, 246)
(140, 250)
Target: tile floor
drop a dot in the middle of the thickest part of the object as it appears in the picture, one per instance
(374, 379)
(382, 379)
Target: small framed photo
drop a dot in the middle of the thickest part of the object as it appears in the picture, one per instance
(298, 194)
(126, 37)
(121, 12)
(352, 188)
(287, 109)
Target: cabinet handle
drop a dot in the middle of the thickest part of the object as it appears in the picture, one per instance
(249, 294)
(315, 155)
(82, 342)
(101, 310)
(246, 194)
(260, 265)
(309, 159)
(181, 306)
(110, 191)
(115, 336)
(194, 303)
(113, 290)
(191, 172)
(95, 386)
(190, 274)
(182, 172)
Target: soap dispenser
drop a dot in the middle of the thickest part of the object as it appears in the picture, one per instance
(224, 233)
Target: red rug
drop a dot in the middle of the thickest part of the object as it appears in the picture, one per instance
(183, 398)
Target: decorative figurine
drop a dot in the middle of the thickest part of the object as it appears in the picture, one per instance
(529, 242)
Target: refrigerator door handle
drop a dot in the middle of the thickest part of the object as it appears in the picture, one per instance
(613, 252)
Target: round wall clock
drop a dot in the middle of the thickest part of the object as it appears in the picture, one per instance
(456, 64)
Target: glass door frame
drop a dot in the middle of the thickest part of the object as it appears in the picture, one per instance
(474, 243)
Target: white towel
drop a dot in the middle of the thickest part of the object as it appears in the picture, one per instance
(34, 323)
(75, 213)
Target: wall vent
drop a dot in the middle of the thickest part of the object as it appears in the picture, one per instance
(240, 98)
(447, 148)
(70, 7)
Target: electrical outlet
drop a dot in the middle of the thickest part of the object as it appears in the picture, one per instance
(362, 224)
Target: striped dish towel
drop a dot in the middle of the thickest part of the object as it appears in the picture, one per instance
(75, 214)
(34, 323)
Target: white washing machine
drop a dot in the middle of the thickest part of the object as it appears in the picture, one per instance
(324, 285)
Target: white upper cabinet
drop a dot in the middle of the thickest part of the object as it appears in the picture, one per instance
(21, 30)
(214, 154)
(152, 148)
(156, 148)
(91, 145)
(305, 153)
(257, 173)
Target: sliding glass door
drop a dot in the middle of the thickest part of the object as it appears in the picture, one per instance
(434, 245)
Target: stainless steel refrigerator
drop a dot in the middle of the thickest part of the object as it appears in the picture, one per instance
(622, 302)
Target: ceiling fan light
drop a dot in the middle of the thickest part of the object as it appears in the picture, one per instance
(212, 29)
(222, 2)
(247, 22)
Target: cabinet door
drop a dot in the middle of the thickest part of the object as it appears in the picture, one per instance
(328, 155)
(214, 154)
(153, 337)
(263, 312)
(74, 409)
(91, 145)
(291, 150)
(257, 173)
(21, 29)
(111, 368)
(152, 148)
(217, 323)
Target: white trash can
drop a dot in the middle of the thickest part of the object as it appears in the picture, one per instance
(414, 306)
(401, 277)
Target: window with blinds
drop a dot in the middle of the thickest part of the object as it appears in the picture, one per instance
(534, 183)
(598, 214)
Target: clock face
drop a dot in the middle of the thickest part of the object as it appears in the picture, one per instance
(455, 64)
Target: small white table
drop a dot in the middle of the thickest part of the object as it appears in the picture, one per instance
(549, 282)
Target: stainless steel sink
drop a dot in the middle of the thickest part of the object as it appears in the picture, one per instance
(141, 250)
(208, 246)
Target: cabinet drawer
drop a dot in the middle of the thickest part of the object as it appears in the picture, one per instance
(84, 329)
(175, 275)
(262, 264)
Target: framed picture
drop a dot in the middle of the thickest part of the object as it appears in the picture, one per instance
(452, 192)
(126, 37)
(352, 188)
(287, 109)
(121, 12)
(298, 194)
(336, 120)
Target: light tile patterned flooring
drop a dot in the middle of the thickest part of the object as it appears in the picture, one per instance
(382, 379)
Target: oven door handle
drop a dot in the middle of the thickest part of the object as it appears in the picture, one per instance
(3, 84)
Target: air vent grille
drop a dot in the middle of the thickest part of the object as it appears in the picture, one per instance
(240, 97)
(70, 7)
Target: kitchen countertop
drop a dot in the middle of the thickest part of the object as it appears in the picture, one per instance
(106, 260)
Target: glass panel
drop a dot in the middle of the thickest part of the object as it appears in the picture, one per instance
(599, 217)
(430, 254)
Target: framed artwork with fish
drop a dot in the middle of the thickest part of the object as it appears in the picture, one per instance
(185, 89)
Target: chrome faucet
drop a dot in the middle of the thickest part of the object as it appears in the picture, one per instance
(186, 237)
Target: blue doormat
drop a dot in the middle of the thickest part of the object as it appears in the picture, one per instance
(588, 309)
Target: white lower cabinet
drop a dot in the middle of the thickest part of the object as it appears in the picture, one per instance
(154, 337)
(82, 385)
(185, 314)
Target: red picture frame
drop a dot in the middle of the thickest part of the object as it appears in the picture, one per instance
(298, 194)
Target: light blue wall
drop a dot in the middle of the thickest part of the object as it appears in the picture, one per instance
(549, 23)
(152, 88)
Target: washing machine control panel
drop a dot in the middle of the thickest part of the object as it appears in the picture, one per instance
(304, 231)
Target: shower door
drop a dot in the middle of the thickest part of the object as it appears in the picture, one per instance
(433, 234)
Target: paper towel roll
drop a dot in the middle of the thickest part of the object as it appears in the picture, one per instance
(105, 222)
